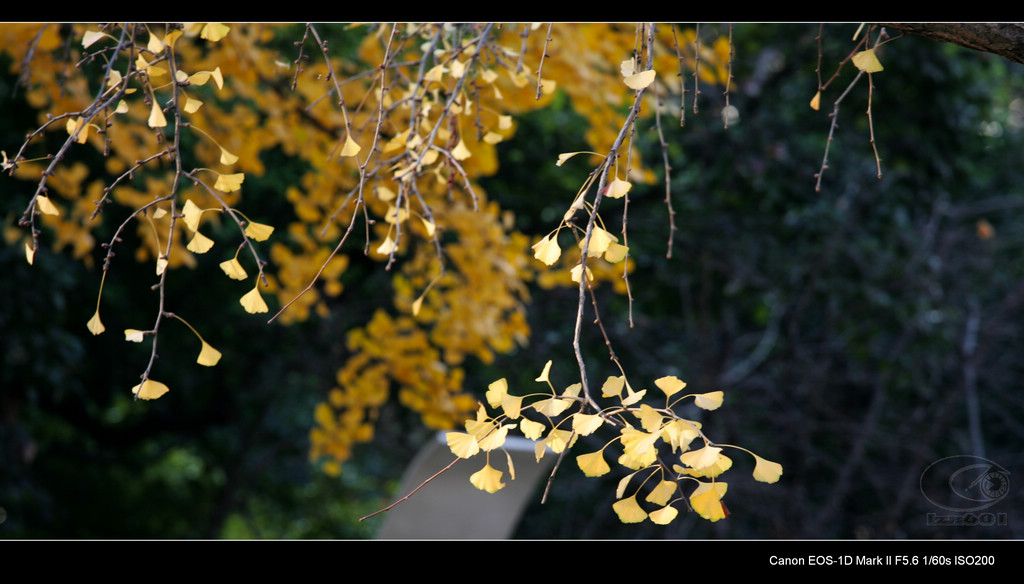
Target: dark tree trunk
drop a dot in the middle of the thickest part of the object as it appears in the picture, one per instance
(1003, 39)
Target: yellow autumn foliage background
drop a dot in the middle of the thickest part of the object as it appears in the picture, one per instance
(463, 299)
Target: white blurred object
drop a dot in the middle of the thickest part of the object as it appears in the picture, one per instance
(449, 507)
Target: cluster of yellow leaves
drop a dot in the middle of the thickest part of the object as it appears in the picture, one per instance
(251, 301)
(388, 355)
(131, 130)
(475, 309)
(657, 431)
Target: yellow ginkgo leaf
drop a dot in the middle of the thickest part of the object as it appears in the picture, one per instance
(816, 101)
(496, 438)
(436, 73)
(664, 516)
(511, 466)
(199, 244)
(156, 117)
(669, 384)
(637, 443)
(227, 158)
(172, 37)
(703, 458)
(461, 152)
(149, 389)
(208, 356)
(398, 142)
(387, 246)
(462, 444)
(612, 386)
(530, 429)
(586, 424)
(547, 250)
(202, 77)
(95, 325)
(91, 36)
(722, 464)
(214, 31)
(229, 183)
(593, 464)
(616, 252)
(662, 493)
(351, 148)
(577, 270)
(511, 405)
(620, 490)
(867, 61)
(544, 374)
(234, 270)
(428, 225)
(565, 156)
(709, 401)
(496, 392)
(572, 390)
(133, 335)
(618, 188)
(640, 80)
(599, 241)
(253, 303)
(638, 462)
(552, 407)
(385, 194)
(46, 205)
(395, 215)
(192, 214)
(30, 253)
(218, 78)
(488, 75)
(155, 45)
(430, 157)
(767, 471)
(650, 418)
(707, 501)
(633, 397)
(519, 78)
(487, 479)
(679, 433)
(458, 69)
(80, 125)
(558, 440)
(629, 510)
(258, 231)
(161, 265)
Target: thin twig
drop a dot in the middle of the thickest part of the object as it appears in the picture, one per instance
(412, 492)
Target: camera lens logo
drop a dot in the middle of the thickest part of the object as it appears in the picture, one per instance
(964, 483)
